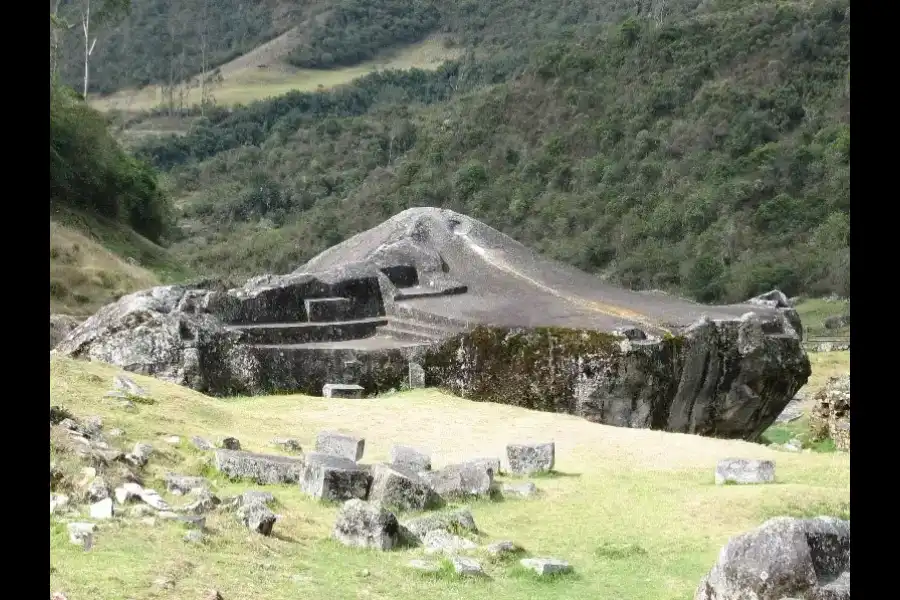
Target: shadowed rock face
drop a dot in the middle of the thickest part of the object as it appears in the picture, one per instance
(483, 315)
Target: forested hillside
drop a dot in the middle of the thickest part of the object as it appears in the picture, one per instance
(704, 149)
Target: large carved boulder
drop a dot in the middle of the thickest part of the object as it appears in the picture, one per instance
(167, 332)
(783, 558)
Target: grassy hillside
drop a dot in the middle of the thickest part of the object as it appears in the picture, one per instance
(706, 152)
(94, 261)
(634, 511)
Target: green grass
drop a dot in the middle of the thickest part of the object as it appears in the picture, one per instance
(643, 518)
(814, 312)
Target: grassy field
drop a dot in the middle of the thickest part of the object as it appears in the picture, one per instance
(815, 311)
(252, 81)
(636, 512)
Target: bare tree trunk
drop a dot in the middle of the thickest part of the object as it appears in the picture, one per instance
(88, 44)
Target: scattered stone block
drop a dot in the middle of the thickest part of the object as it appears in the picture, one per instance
(264, 469)
(363, 525)
(520, 490)
(92, 426)
(140, 455)
(460, 519)
(423, 565)
(491, 463)
(460, 481)
(102, 509)
(528, 459)
(329, 477)
(745, 471)
(127, 386)
(183, 484)
(82, 534)
(174, 440)
(441, 541)
(58, 502)
(127, 492)
(153, 499)
(782, 558)
(206, 501)
(466, 566)
(502, 548)
(546, 566)
(340, 444)
(97, 490)
(410, 458)
(194, 536)
(202, 444)
(342, 390)
(401, 490)
(231, 443)
(287, 444)
(416, 375)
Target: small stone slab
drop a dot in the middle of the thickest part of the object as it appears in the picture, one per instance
(461, 480)
(140, 455)
(441, 541)
(423, 565)
(520, 490)
(231, 443)
(183, 484)
(58, 502)
(400, 490)
(745, 471)
(287, 444)
(490, 463)
(502, 548)
(102, 509)
(82, 534)
(264, 469)
(257, 517)
(205, 502)
(410, 458)
(464, 565)
(363, 525)
(546, 566)
(342, 390)
(459, 519)
(528, 459)
(329, 477)
(340, 444)
(202, 444)
(791, 412)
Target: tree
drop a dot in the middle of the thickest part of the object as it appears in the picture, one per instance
(107, 12)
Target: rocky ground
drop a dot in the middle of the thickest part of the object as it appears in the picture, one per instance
(172, 524)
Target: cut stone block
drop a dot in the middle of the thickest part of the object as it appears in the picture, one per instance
(527, 459)
(264, 469)
(183, 484)
(416, 375)
(399, 489)
(466, 566)
(502, 548)
(546, 566)
(363, 525)
(329, 477)
(745, 471)
(407, 457)
(491, 463)
(339, 444)
(342, 390)
(462, 480)
(102, 509)
(257, 517)
(328, 310)
(82, 534)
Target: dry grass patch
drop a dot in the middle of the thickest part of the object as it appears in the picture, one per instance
(84, 275)
(618, 488)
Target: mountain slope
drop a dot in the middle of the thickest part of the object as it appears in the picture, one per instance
(707, 154)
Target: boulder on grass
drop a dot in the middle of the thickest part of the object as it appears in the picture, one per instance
(410, 458)
(257, 517)
(264, 469)
(339, 444)
(783, 558)
(528, 459)
(461, 480)
(400, 489)
(364, 525)
(744, 471)
(460, 519)
(329, 477)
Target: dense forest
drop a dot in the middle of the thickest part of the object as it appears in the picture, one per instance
(701, 147)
